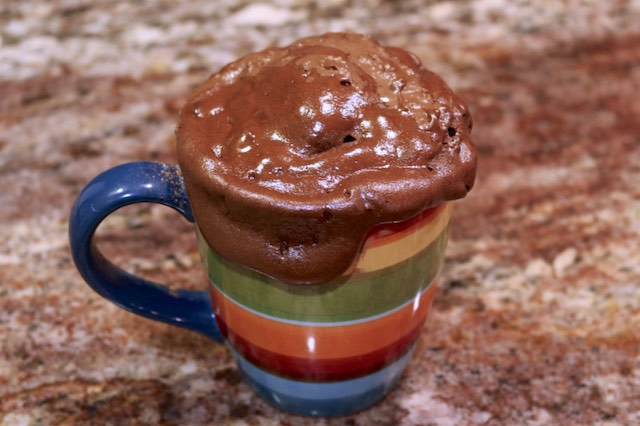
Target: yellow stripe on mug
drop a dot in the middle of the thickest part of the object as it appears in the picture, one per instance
(379, 256)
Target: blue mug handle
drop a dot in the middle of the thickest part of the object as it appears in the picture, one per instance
(117, 187)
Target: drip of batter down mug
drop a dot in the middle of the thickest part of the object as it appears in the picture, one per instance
(320, 350)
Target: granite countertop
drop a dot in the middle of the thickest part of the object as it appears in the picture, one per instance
(537, 319)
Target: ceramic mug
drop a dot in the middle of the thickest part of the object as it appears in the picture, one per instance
(322, 350)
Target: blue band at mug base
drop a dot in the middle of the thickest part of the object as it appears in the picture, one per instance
(323, 399)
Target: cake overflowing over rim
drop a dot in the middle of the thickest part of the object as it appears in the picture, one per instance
(292, 155)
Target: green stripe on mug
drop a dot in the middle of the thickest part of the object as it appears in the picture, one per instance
(343, 299)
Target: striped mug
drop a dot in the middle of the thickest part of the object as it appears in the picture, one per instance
(321, 350)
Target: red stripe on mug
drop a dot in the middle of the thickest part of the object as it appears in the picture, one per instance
(320, 342)
(320, 370)
(390, 232)
(311, 340)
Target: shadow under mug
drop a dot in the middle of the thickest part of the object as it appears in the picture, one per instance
(321, 350)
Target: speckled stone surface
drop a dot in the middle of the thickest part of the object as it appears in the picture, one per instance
(537, 320)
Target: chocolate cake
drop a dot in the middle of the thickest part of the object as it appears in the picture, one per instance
(291, 155)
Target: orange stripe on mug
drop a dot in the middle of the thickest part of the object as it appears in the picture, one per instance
(322, 341)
